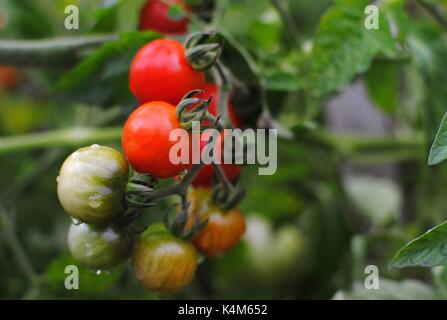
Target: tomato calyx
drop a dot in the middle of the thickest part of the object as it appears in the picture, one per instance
(180, 225)
(192, 109)
(203, 50)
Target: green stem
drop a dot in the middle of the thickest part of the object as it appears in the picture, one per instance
(369, 150)
(49, 53)
(59, 138)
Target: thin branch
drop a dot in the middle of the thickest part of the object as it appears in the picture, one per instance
(59, 138)
(49, 53)
(287, 19)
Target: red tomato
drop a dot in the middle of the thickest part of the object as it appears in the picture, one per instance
(154, 16)
(205, 176)
(9, 77)
(161, 72)
(146, 142)
(211, 89)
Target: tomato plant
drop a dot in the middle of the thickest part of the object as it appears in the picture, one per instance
(340, 103)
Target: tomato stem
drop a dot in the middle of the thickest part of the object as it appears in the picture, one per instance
(49, 53)
(76, 137)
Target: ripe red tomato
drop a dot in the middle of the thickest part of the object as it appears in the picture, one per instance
(161, 72)
(223, 230)
(9, 77)
(155, 16)
(211, 89)
(163, 263)
(146, 142)
(205, 176)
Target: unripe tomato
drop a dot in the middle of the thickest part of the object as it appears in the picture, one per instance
(211, 89)
(162, 262)
(9, 77)
(155, 16)
(146, 142)
(98, 247)
(91, 184)
(161, 72)
(222, 232)
(205, 176)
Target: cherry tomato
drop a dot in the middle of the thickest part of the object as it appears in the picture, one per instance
(161, 72)
(211, 89)
(91, 184)
(9, 77)
(223, 230)
(163, 263)
(205, 176)
(98, 247)
(155, 16)
(146, 142)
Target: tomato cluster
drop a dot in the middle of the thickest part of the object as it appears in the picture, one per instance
(104, 191)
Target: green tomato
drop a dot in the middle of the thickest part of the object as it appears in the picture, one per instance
(98, 247)
(91, 184)
(162, 262)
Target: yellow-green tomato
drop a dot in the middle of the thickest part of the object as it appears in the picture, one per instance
(98, 247)
(91, 184)
(162, 262)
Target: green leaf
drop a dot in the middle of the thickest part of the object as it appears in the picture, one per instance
(438, 151)
(428, 250)
(383, 85)
(390, 290)
(176, 12)
(343, 46)
(102, 78)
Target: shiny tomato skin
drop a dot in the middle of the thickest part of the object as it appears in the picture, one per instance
(91, 184)
(161, 72)
(205, 176)
(211, 89)
(9, 77)
(145, 139)
(162, 262)
(155, 16)
(222, 232)
(99, 248)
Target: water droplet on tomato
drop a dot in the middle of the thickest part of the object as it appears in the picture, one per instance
(76, 222)
(94, 146)
(94, 201)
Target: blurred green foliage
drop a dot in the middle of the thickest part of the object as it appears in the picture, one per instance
(311, 231)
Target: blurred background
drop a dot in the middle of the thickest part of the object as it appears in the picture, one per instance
(357, 114)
